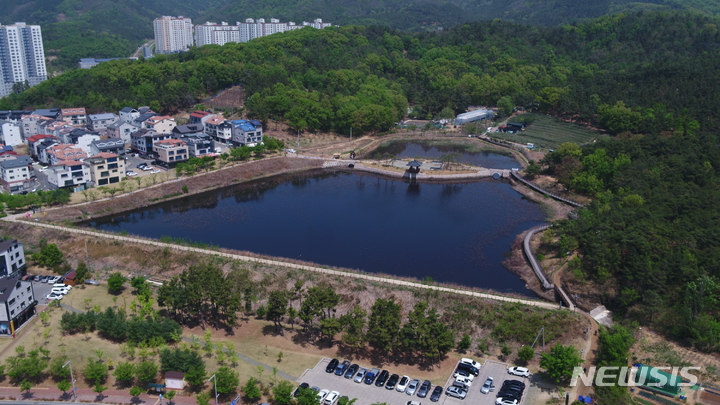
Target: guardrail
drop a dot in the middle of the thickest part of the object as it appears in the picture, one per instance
(543, 191)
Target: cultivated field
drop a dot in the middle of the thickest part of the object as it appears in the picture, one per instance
(547, 132)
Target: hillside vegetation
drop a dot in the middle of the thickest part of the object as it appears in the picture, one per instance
(73, 29)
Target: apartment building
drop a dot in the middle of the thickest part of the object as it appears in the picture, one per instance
(22, 56)
(172, 34)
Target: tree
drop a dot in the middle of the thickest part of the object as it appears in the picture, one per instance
(48, 256)
(170, 395)
(26, 386)
(533, 169)
(195, 376)
(95, 372)
(227, 380)
(354, 326)
(136, 391)
(283, 393)
(464, 343)
(64, 385)
(251, 390)
(277, 307)
(506, 105)
(526, 353)
(26, 367)
(306, 396)
(57, 370)
(81, 273)
(180, 360)
(146, 371)
(115, 282)
(560, 362)
(384, 324)
(99, 389)
(124, 372)
(203, 398)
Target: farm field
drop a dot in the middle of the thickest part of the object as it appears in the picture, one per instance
(547, 132)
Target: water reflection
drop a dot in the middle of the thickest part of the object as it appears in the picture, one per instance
(409, 150)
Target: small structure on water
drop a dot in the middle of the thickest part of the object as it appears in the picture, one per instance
(414, 166)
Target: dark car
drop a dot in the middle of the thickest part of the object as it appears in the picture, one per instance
(435, 396)
(141, 165)
(351, 371)
(371, 375)
(332, 366)
(514, 383)
(510, 391)
(470, 369)
(424, 389)
(392, 382)
(382, 378)
(342, 367)
(300, 387)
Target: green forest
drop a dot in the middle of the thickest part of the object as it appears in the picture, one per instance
(74, 29)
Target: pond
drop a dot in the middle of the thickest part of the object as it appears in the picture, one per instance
(457, 233)
(463, 153)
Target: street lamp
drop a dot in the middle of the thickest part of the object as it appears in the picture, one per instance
(214, 378)
(72, 380)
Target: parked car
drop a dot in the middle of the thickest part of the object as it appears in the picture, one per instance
(360, 376)
(53, 279)
(412, 403)
(146, 168)
(465, 380)
(155, 171)
(470, 369)
(62, 285)
(456, 392)
(412, 387)
(351, 371)
(141, 165)
(463, 374)
(403, 383)
(321, 395)
(382, 378)
(488, 386)
(130, 173)
(519, 371)
(424, 389)
(470, 362)
(371, 376)
(331, 398)
(332, 366)
(392, 382)
(435, 396)
(300, 387)
(53, 297)
(62, 291)
(507, 401)
(342, 367)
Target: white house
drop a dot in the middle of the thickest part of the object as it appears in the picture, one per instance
(219, 128)
(15, 173)
(17, 304)
(97, 122)
(122, 129)
(12, 258)
(161, 124)
(246, 132)
(10, 133)
(68, 173)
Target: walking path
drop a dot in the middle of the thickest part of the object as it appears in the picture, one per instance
(387, 280)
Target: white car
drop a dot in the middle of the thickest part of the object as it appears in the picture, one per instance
(402, 383)
(146, 168)
(464, 374)
(53, 280)
(156, 171)
(53, 297)
(508, 401)
(130, 173)
(43, 168)
(58, 291)
(519, 371)
(470, 362)
(61, 285)
(465, 380)
(331, 398)
(321, 395)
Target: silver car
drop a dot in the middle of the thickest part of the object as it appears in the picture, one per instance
(488, 386)
(412, 387)
(456, 392)
(360, 376)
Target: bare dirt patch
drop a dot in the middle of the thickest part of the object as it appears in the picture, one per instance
(234, 97)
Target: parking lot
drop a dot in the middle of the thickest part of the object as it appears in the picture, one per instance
(370, 394)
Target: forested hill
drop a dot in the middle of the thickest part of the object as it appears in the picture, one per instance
(73, 29)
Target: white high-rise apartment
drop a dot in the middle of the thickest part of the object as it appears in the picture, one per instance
(22, 56)
(173, 34)
(219, 34)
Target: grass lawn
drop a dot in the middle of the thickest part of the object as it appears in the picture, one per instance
(547, 132)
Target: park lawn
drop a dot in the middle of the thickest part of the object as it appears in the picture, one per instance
(547, 132)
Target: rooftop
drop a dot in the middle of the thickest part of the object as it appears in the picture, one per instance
(20, 161)
(200, 114)
(72, 111)
(159, 118)
(170, 142)
(103, 116)
(128, 110)
(104, 155)
(38, 137)
(110, 143)
(7, 244)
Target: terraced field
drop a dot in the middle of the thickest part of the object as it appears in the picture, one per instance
(547, 132)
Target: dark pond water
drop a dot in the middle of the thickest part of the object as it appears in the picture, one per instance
(451, 232)
(433, 151)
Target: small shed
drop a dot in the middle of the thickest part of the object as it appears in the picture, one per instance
(69, 278)
(414, 166)
(658, 380)
(174, 380)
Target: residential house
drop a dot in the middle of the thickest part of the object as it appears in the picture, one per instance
(97, 122)
(15, 173)
(52, 113)
(13, 115)
(171, 152)
(199, 145)
(17, 304)
(35, 140)
(199, 117)
(62, 152)
(68, 174)
(140, 120)
(6, 151)
(246, 132)
(188, 129)
(81, 137)
(111, 145)
(105, 168)
(10, 132)
(121, 129)
(162, 124)
(128, 114)
(219, 128)
(55, 128)
(74, 116)
(143, 141)
(12, 258)
(29, 124)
